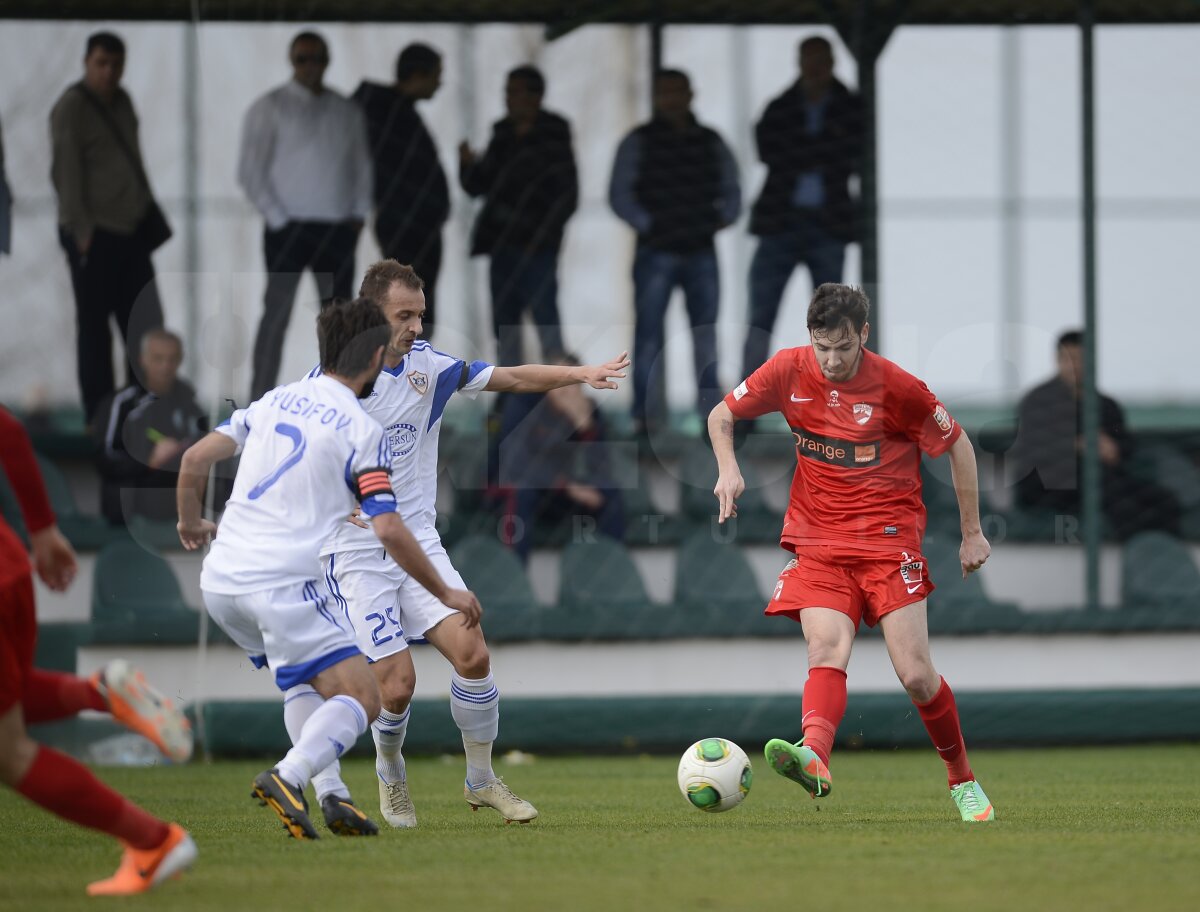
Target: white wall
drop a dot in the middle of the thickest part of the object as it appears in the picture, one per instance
(942, 142)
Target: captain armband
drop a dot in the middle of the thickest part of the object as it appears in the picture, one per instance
(374, 490)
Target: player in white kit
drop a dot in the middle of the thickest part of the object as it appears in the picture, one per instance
(389, 607)
(309, 456)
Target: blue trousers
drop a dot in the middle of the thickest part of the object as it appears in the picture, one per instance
(656, 275)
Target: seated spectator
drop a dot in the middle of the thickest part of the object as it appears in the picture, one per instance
(143, 433)
(554, 462)
(1050, 440)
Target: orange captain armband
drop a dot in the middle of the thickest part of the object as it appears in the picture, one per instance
(375, 491)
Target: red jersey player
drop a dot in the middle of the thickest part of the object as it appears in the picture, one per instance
(855, 522)
(154, 849)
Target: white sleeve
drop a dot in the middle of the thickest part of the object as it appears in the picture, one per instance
(236, 427)
(254, 162)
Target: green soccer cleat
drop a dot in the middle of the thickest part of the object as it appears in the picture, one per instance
(972, 803)
(800, 764)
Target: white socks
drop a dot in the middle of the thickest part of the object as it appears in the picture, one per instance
(475, 706)
(299, 703)
(332, 728)
(388, 731)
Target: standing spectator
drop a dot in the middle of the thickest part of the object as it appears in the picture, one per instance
(1049, 443)
(810, 139)
(103, 198)
(6, 202)
(554, 462)
(144, 431)
(528, 179)
(305, 166)
(675, 182)
(412, 200)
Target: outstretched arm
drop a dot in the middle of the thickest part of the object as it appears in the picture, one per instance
(730, 483)
(975, 548)
(538, 378)
(194, 530)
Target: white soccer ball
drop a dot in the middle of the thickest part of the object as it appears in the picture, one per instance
(715, 775)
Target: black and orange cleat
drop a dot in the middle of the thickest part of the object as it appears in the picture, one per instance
(285, 800)
(143, 869)
(344, 819)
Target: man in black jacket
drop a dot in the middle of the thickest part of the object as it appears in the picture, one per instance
(530, 185)
(143, 432)
(675, 182)
(412, 199)
(810, 139)
(1049, 442)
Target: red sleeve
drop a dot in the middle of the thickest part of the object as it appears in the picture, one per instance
(758, 394)
(923, 418)
(20, 465)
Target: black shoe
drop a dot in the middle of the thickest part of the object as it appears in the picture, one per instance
(285, 800)
(344, 819)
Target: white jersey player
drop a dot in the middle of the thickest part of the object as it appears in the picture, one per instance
(309, 455)
(387, 606)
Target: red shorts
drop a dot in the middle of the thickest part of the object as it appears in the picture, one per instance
(862, 585)
(18, 637)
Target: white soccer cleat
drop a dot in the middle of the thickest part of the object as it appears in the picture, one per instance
(395, 804)
(495, 794)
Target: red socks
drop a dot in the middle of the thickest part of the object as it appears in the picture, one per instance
(823, 707)
(940, 716)
(67, 788)
(50, 695)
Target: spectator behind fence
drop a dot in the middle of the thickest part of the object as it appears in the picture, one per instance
(412, 200)
(1049, 442)
(554, 462)
(108, 222)
(810, 139)
(675, 182)
(528, 179)
(143, 431)
(6, 202)
(305, 166)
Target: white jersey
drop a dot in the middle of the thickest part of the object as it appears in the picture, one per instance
(310, 453)
(408, 401)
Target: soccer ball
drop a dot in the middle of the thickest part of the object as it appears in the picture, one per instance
(715, 775)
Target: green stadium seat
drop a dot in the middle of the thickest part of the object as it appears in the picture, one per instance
(960, 605)
(755, 522)
(1157, 570)
(86, 533)
(493, 572)
(601, 595)
(645, 524)
(136, 599)
(716, 593)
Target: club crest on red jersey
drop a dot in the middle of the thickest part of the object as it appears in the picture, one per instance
(942, 417)
(834, 402)
(419, 381)
(862, 412)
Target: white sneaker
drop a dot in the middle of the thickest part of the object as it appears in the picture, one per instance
(395, 805)
(495, 794)
(138, 706)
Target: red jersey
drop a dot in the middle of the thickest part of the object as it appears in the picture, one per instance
(858, 448)
(18, 462)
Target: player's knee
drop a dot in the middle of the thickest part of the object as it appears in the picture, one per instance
(397, 692)
(919, 681)
(16, 756)
(474, 662)
(370, 700)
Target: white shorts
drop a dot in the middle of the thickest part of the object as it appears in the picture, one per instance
(388, 608)
(296, 630)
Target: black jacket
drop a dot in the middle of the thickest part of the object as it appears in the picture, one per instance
(411, 193)
(530, 184)
(787, 150)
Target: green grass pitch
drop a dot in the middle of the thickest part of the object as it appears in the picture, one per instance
(1089, 829)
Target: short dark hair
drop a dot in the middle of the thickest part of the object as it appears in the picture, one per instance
(160, 334)
(834, 305)
(415, 60)
(349, 333)
(107, 42)
(531, 76)
(381, 276)
(672, 74)
(1071, 337)
(308, 36)
(816, 41)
